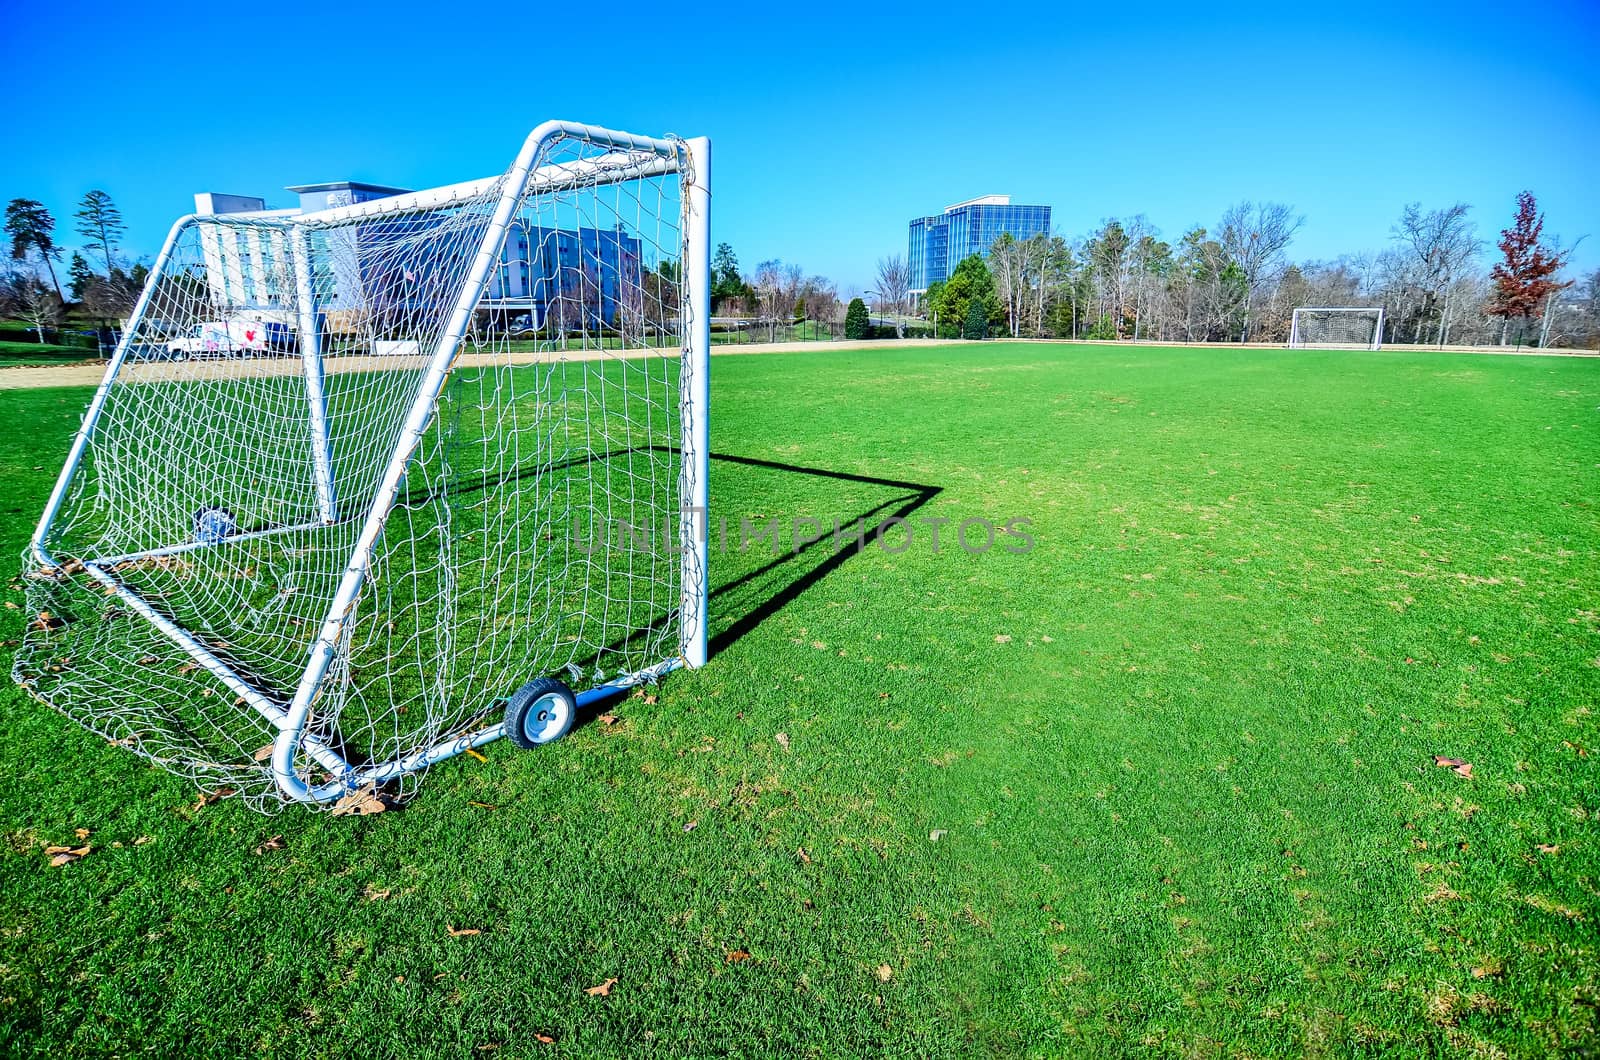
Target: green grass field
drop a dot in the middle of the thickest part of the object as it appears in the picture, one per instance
(1163, 783)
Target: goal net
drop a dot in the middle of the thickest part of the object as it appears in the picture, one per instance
(355, 476)
(1337, 327)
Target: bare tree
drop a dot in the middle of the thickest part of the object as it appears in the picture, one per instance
(38, 304)
(778, 288)
(1440, 245)
(1254, 236)
(894, 283)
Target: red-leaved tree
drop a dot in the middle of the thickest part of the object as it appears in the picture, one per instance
(1526, 276)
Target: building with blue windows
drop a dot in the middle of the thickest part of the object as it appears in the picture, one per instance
(940, 242)
(564, 279)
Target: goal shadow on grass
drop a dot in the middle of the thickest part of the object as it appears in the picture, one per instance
(848, 510)
(754, 576)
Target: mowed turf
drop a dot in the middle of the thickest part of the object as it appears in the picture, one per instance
(1165, 782)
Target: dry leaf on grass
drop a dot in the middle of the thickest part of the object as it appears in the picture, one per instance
(66, 855)
(800, 852)
(475, 753)
(691, 826)
(372, 894)
(360, 803)
(484, 805)
(81, 833)
(263, 753)
(544, 1039)
(1548, 848)
(1455, 765)
(783, 740)
(208, 797)
(885, 973)
(275, 843)
(735, 956)
(456, 932)
(608, 720)
(603, 990)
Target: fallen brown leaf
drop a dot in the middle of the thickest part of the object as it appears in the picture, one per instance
(544, 1039)
(1456, 765)
(800, 852)
(783, 740)
(372, 894)
(81, 833)
(735, 956)
(1548, 848)
(208, 797)
(275, 843)
(603, 990)
(691, 826)
(456, 932)
(66, 855)
(263, 753)
(360, 803)
(608, 720)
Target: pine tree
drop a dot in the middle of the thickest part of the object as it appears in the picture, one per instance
(31, 227)
(79, 276)
(100, 222)
(857, 324)
(1525, 278)
(977, 322)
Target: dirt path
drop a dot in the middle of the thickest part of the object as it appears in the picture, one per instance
(194, 371)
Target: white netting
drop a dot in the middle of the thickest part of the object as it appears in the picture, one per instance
(1337, 327)
(535, 531)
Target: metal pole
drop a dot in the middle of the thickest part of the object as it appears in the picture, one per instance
(310, 340)
(81, 442)
(694, 402)
(416, 424)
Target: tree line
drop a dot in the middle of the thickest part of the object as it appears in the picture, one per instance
(1235, 283)
(101, 282)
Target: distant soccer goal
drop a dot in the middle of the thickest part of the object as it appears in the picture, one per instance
(1359, 327)
(368, 487)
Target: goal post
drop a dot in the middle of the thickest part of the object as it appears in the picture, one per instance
(366, 487)
(1358, 327)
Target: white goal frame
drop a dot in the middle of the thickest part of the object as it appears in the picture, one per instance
(631, 157)
(1297, 339)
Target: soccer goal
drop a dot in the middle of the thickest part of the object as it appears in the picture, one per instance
(367, 487)
(1324, 328)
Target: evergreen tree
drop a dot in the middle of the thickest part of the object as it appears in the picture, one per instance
(857, 324)
(976, 325)
(31, 227)
(100, 222)
(79, 276)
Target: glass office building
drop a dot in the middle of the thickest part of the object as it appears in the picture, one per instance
(940, 242)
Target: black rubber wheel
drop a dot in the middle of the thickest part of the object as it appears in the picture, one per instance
(540, 711)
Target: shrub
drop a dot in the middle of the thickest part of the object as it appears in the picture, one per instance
(857, 325)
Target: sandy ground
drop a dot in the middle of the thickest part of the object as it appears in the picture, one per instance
(92, 374)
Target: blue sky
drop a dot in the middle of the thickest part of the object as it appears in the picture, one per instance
(833, 125)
